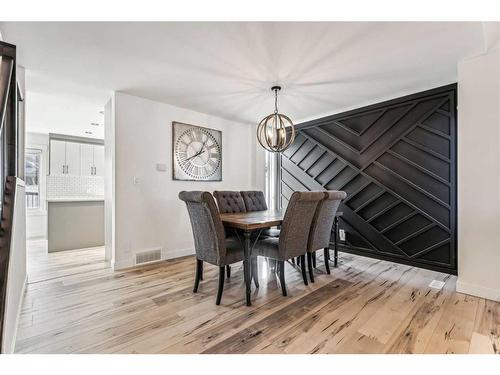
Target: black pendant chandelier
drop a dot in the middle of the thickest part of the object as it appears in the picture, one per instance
(276, 131)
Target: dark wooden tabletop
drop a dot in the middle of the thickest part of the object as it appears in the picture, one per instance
(253, 220)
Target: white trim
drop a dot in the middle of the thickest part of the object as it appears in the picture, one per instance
(18, 315)
(172, 254)
(179, 253)
(478, 291)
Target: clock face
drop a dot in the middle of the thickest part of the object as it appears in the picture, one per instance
(197, 153)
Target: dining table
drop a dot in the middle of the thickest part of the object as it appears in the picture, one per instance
(255, 221)
(248, 223)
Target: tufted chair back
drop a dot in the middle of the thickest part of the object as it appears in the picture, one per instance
(321, 229)
(208, 231)
(297, 222)
(254, 200)
(229, 202)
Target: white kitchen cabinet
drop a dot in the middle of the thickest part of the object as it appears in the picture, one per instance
(73, 158)
(99, 160)
(86, 159)
(76, 158)
(57, 157)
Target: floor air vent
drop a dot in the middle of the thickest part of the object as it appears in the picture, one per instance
(148, 256)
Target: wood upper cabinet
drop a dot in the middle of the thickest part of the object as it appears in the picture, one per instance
(76, 158)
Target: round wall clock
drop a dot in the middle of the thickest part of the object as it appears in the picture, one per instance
(197, 153)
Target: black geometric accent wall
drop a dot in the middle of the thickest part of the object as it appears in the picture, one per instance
(396, 161)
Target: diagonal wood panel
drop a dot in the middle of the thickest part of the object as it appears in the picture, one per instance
(397, 162)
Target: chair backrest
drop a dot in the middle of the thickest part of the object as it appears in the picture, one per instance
(297, 222)
(321, 228)
(208, 231)
(229, 202)
(254, 200)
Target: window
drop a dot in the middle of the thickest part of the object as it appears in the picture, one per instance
(32, 177)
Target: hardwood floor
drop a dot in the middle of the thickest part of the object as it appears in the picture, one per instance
(74, 304)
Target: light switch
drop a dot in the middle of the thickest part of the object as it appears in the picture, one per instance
(137, 181)
(160, 167)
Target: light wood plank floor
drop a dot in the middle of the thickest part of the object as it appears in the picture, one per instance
(74, 304)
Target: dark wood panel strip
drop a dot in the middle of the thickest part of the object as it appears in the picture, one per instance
(426, 149)
(297, 149)
(373, 198)
(364, 174)
(335, 175)
(316, 161)
(445, 113)
(325, 168)
(335, 139)
(419, 167)
(400, 221)
(355, 192)
(434, 131)
(415, 234)
(306, 155)
(395, 121)
(416, 187)
(376, 119)
(346, 128)
(383, 211)
(430, 248)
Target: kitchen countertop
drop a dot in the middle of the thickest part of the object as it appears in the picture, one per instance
(76, 199)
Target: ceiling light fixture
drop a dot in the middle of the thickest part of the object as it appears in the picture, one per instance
(94, 123)
(276, 131)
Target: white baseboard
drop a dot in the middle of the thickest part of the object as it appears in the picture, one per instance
(179, 253)
(171, 254)
(478, 291)
(18, 315)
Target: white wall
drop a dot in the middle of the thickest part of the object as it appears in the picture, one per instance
(479, 176)
(16, 278)
(36, 219)
(150, 214)
(109, 179)
(64, 114)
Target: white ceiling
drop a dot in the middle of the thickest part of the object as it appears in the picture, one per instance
(227, 69)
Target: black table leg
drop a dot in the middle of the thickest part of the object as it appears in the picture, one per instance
(247, 266)
(335, 238)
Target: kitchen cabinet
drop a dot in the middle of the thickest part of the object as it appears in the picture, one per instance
(91, 160)
(76, 158)
(57, 157)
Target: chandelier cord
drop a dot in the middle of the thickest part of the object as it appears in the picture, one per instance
(275, 100)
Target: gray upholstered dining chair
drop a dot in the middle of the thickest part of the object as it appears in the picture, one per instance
(230, 202)
(210, 242)
(294, 236)
(256, 201)
(321, 228)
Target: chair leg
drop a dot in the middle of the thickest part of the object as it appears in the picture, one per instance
(327, 259)
(255, 272)
(221, 285)
(228, 271)
(314, 258)
(303, 268)
(310, 266)
(201, 270)
(282, 277)
(197, 277)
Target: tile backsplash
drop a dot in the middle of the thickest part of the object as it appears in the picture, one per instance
(74, 186)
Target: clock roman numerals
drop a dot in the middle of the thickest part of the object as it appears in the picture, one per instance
(197, 153)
